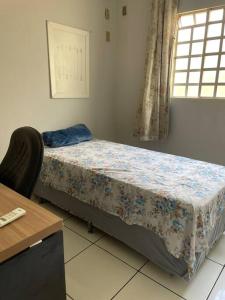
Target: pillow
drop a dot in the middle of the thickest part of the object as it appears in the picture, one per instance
(68, 136)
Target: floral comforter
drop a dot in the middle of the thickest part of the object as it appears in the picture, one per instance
(180, 199)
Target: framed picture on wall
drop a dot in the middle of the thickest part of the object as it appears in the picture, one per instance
(68, 50)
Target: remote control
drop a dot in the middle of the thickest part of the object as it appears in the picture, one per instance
(11, 216)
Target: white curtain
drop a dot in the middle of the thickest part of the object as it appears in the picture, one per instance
(153, 110)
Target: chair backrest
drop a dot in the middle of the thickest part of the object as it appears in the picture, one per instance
(21, 165)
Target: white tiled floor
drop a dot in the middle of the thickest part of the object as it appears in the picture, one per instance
(96, 274)
(218, 292)
(217, 254)
(140, 287)
(73, 244)
(205, 278)
(121, 251)
(80, 227)
(99, 267)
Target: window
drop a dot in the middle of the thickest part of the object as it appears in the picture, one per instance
(199, 66)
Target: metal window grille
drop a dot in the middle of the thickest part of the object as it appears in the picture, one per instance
(199, 62)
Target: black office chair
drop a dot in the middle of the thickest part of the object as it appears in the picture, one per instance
(21, 165)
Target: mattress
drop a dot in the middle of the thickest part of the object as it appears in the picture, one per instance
(179, 199)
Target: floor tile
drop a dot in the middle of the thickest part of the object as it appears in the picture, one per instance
(143, 288)
(218, 252)
(73, 244)
(56, 210)
(218, 293)
(198, 289)
(123, 252)
(96, 275)
(80, 226)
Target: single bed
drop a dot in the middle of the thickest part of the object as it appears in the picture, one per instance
(169, 208)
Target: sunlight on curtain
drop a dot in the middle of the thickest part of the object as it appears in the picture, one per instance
(153, 110)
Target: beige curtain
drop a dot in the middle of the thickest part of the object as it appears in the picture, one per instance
(153, 111)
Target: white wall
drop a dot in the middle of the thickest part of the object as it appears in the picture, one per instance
(187, 5)
(197, 126)
(131, 40)
(24, 74)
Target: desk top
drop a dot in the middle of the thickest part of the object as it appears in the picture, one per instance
(37, 224)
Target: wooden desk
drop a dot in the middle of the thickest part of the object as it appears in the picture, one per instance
(37, 224)
(26, 272)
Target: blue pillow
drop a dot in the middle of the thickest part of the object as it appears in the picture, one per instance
(65, 137)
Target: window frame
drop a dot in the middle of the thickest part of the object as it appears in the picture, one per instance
(219, 53)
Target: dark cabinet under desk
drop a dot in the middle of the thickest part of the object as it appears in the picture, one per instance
(30, 269)
(37, 273)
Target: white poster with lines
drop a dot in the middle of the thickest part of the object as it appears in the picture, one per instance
(69, 61)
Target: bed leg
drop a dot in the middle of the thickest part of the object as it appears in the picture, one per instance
(90, 227)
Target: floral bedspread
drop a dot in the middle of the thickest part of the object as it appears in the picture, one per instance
(180, 199)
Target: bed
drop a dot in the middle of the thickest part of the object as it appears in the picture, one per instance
(166, 207)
